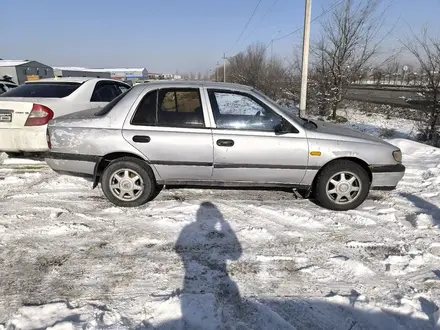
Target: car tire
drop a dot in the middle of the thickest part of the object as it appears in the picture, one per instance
(120, 180)
(342, 185)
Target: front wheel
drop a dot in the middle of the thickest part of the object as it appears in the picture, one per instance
(127, 182)
(342, 185)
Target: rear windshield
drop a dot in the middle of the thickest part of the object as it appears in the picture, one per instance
(109, 106)
(49, 90)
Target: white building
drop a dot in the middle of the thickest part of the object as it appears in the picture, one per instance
(80, 72)
(127, 73)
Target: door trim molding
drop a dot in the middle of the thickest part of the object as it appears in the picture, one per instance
(94, 158)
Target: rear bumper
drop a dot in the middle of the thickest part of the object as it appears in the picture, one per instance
(386, 177)
(71, 167)
(25, 139)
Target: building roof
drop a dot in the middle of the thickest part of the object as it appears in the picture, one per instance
(121, 69)
(66, 80)
(74, 68)
(6, 63)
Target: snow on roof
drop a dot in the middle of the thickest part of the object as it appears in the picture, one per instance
(5, 63)
(121, 69)
(74, 68)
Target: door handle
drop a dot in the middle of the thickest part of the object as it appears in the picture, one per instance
(225, 143)
(141, 138)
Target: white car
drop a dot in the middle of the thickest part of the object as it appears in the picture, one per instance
(26, 110)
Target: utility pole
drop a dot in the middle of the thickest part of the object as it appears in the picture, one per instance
(305, 57)
(216, 71)
(271, 44)
(271, 50)
(224, 67)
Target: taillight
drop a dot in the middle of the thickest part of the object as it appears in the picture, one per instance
(40, 115)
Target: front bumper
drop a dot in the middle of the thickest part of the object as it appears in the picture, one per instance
(24, 139)
(386, 177)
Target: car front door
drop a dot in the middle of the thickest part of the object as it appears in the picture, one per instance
(249, 145)
(168, 127)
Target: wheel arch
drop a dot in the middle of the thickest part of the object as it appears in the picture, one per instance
(355, 160)
(105, 160)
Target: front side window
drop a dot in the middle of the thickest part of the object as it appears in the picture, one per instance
(241, 111)
(123, 88)
(105, 92)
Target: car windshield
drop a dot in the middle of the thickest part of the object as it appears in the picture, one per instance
(44, 90)
(286, 111)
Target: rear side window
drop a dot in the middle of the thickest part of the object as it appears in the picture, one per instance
(180, 108)
(45, 90)
(146, 112)
(171, 107)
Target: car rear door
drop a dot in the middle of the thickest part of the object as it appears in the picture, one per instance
(169, 126)
(247, 147)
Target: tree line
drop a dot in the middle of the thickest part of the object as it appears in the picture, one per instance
(347, 50)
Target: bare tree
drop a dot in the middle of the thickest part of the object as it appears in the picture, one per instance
(426, 50)
(251, 67)
(392, 70)
(347, 44)
(378, 75)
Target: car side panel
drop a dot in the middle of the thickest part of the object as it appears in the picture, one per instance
(76, 149)
(176, 153)
(260, 157)
(373, 154)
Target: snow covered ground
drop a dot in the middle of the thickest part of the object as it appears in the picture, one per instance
(71, 260)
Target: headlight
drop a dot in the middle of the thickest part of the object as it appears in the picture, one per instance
(397, 156)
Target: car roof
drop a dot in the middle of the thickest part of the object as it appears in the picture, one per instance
(79, 80)
(194, 84)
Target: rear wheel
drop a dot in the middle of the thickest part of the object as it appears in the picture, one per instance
(128, 182)
(342, 185)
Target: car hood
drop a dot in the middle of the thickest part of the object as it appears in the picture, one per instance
(341, 131)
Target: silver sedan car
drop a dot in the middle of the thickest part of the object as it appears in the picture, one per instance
(210, 134)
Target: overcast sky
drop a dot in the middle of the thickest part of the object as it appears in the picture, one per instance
(169, 35)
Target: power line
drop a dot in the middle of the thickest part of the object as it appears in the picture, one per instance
(313, 20)
(262, 18)
(250, 18)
